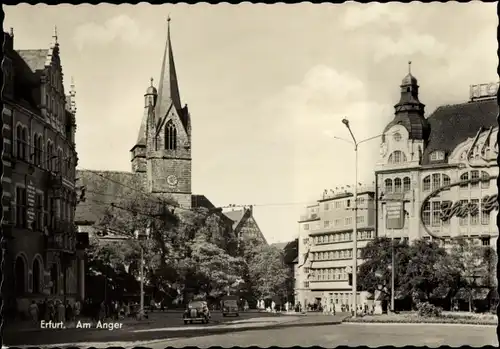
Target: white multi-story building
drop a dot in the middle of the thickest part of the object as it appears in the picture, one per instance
(452, 154)
(326, 247)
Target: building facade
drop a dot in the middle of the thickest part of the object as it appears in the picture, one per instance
(43, 254)
(443, 167)
(326, 247)
(244, 225)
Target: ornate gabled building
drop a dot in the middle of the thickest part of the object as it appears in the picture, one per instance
(43, 255)
(244, 224)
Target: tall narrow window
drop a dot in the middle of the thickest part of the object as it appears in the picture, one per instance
(475, 178)
(474, 215)
(19, 141)
(388, 185)
(426, 215)
(406, 184)
(427, 183)
(446, 180)
(436, 213)
(170, 136)
(50, 155)
(397, 157)
(485, 180)
(397, 185)
(436, 181)
(464, 177)
(464, 220)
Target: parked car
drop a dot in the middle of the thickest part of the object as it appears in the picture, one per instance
(229, 306)
(196, 311)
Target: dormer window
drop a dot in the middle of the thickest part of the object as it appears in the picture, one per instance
(437, 155)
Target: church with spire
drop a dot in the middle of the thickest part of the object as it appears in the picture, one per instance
(161, 160)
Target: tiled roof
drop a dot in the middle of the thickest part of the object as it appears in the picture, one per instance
(280, 245)
(201, 201)
(235, 216)
(103, 188)
(453, 124)
(35, 59)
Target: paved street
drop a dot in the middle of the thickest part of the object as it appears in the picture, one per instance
(162, 326)
(372, 335)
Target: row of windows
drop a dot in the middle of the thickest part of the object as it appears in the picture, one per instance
(341, 237)
(49, 160)
(436, 181)
(45, 210)
(447, 241)
(343, 203)
(327, 274)
(334, 255)
(432, 214)
(397, 185)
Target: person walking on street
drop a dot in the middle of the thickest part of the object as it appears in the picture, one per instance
(78, 308)
(69, 311)
(61, 310)
(102, 311)
(33, 310)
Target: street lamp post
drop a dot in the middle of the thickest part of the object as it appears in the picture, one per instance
(355, 216)
(141, 237)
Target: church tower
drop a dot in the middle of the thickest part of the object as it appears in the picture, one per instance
(163, 149)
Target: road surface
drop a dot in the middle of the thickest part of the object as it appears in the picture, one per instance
(372, 335)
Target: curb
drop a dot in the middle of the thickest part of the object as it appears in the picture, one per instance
(153, 337)
(416, 323)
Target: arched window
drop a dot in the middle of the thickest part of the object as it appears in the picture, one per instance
(50, 155)
(54, 276)
(388, 185)
(397, 157)
(24, 143)
(397, 185)
(464, 177)
(436, 181)
(60, 159)
(36, 276)
(446, 180)
(19, 141)
(475, 176)
(170, 136)
(485, 180)
(406, 184)
(20, 276)
(427, 183)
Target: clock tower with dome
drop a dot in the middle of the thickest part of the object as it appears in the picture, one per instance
(163, 148)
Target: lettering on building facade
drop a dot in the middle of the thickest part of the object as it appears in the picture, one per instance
(459, 209)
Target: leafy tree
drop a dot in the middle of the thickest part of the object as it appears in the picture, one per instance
(474, 266)
(375, 273)
(429, 268)
(268, 272)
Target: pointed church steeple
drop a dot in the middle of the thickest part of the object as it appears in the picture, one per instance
(168, 86)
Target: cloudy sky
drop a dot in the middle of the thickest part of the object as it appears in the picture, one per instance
(267, 86)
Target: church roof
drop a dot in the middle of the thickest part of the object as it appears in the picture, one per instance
(168, 86)
(451, 125)
(102, 188)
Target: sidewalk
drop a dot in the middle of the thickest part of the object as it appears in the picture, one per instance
(76, 336)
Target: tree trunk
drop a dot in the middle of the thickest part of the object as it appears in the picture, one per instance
(470, 303)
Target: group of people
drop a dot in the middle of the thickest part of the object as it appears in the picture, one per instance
(54, 310)
(116, 310)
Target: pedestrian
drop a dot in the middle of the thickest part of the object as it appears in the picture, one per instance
(52, 310)
(61, 311)
(273, 306)
(33, 311)
(78, 308)
(102, 311)
(162, 304)
(68, 311)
